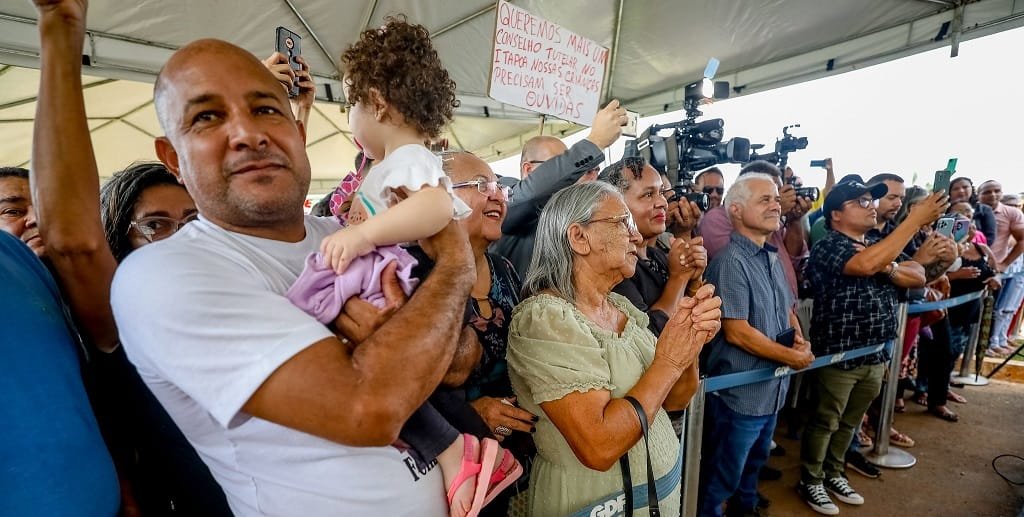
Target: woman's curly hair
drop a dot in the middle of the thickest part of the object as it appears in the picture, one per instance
(400, 62)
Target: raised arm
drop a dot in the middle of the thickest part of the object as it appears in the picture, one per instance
(878, 257)
(531, 194)
(64, 179)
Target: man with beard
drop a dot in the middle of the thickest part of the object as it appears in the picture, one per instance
(291, 416)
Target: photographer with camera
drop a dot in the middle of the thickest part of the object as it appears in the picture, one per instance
(715, 227)
(857, 282)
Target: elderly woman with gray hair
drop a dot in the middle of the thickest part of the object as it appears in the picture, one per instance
(582, 359)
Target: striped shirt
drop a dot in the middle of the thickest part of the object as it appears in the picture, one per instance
(752, 283)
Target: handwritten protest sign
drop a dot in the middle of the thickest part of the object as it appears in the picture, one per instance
(544, 67)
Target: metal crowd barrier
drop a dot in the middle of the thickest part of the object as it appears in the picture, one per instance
(882, 454)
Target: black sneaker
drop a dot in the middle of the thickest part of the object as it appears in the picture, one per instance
(778, 450)
(762, 501)
(817, 498)
(861, 465)
(843, 491)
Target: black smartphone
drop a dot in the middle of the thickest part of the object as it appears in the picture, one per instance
(819, 163)
(290, 44)
(786, 337)
(941, 183)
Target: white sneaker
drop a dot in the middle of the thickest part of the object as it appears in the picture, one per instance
(817, 498)
(841, 488)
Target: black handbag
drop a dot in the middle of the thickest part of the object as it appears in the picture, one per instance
(627, 481)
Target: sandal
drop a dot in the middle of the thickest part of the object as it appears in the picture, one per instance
(955, 397)
(470, 469)
(488, 455)
(899, 439)
(944, 413)
(900, 406)
(922, 399)
(507, 473)
(864, 440)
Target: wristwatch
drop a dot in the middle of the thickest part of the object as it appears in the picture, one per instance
(893, 268)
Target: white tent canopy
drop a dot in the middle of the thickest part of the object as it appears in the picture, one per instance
(657, 46)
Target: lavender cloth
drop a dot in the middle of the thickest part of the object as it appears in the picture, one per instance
(321, 293)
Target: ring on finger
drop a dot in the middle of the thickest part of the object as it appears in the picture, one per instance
(502, 430)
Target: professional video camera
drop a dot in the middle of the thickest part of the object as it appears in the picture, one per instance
(690, 146)
(780, 157)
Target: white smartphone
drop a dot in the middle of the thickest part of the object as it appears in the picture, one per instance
(632, 119)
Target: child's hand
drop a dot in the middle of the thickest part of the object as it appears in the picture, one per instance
(342, 247)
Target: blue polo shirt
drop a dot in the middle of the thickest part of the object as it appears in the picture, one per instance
(52, 458)
(753, 287)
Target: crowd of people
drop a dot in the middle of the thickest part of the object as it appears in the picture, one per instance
(442, 341)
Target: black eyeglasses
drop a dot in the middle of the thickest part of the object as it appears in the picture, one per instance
(865, 202)
(716, 190)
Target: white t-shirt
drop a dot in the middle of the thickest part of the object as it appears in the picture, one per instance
(203, 317)
(410, 167)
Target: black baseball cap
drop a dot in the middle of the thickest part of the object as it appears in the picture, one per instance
(849, 188)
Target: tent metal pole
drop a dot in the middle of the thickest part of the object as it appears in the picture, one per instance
(610, 71)
(369, 16)
(323, 48)
(692, 438)
(467, 19)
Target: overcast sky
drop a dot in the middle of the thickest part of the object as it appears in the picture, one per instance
(907, 116)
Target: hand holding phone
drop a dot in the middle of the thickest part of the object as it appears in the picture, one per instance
(786, 337)
(944, 227)
(632, 120)
(941, 183)
(290, 44)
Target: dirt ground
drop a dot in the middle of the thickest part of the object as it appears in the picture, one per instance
(953, 475)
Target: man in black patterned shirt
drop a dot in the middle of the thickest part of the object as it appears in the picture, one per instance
(856, 284)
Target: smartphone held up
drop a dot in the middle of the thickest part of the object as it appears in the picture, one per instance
(290, 45)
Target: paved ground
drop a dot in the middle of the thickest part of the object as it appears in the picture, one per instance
(953, 476)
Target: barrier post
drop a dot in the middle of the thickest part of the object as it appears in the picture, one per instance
(693, 436)
(882, 454)
(969, 353)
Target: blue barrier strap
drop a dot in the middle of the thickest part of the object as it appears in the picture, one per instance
(918, 308)
(732, 380)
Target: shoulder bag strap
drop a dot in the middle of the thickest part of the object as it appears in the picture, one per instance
(627, 485)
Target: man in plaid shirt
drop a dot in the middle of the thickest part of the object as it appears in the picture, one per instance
(856, 281)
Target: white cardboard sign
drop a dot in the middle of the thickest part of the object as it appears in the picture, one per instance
(544, 67)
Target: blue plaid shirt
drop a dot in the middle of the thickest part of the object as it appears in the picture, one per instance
(753, 287)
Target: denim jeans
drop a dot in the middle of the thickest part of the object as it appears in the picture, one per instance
(735, 448)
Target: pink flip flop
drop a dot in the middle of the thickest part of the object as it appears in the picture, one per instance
(508, 472)
(470, 469)
(488, 455)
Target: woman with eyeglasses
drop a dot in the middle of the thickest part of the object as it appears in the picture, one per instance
(583, 360)
(484, 405)
(141, 205)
